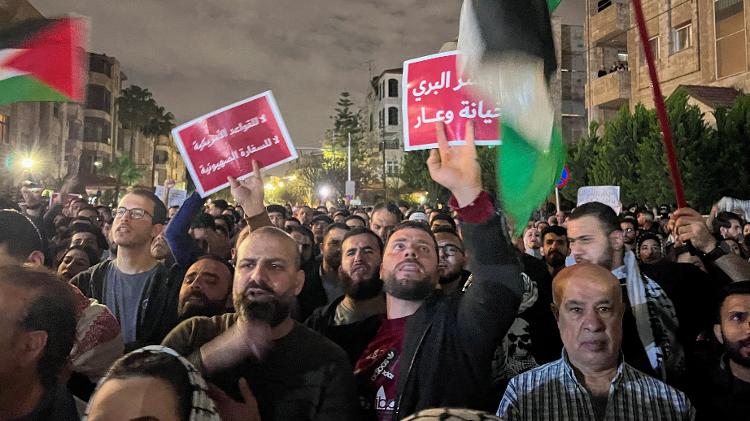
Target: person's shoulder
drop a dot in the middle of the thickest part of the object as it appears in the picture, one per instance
(538, 376)
(632, 376)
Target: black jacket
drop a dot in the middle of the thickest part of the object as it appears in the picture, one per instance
(353, 337)
(161, 314)
(450, 341)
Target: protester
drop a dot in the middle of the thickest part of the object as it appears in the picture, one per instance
(76, 260)
(355, 221)
(152, 383)
(427, 336)
(140, 291)
(532, 242)
(206, 288)
(89, 236)
(721, 388)
(217, 207)
(37, 333)
(629, 227)
(318, 226)
(728, 225)
(384, 218)
(590, 378)
(293, 372)
(649, 248)
(555, 248)
(452, 260)
(352, 320)
(322, 283)
(304, 215)
(442, 220)
(646, 222)
(277, 215)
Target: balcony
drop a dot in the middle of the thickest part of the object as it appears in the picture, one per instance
(608, 28)
(610, 91)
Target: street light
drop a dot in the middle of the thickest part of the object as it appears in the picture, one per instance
(27, 163)
(324, 192)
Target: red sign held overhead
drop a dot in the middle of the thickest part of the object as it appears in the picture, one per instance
(226, 141)
(433, 90)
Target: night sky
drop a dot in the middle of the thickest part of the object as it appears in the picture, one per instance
(196, 56)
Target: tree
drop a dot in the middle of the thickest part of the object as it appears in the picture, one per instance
(160, 123)
(124, 171)
(136, 109)
(733, 138)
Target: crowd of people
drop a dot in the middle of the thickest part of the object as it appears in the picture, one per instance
(254, 311)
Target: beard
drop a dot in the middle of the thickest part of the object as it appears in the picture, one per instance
(362, 289)
(204, 307)
(448, 277)
(408, 289)
(333, 260)
(733, 351)
(266, 307)
(555, 259)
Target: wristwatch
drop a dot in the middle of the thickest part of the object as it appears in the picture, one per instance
(714, 254)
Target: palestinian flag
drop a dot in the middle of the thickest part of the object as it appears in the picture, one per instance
(507, 49)
(43, 60)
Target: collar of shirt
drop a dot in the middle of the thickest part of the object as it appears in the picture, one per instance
(570, 372)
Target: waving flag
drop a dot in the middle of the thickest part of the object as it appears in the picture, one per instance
(508, 49)
(43, 60)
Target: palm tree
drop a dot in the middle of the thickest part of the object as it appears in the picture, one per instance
(160, 124)
(124, 171)
(136, 108)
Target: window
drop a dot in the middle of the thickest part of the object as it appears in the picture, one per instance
(96, 129)
(371, 118)
(392, 116)
(623, 57)
(381, 119)
(681, 37)
(603, 4)
(161, 157)
(56, 110)
(74, 130)
(391, 167)
(654, 43)
(4, 129)
(729, 24)
(99, 64)
(98, 98)
(392, 143)
(392, 88)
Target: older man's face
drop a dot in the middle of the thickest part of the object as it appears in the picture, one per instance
(588, 308)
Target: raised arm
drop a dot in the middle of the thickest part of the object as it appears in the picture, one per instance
(184, 249)
(489, 306)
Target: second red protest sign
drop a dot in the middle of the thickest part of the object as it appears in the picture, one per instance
(226, 141)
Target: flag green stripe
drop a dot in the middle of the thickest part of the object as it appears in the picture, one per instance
(27, 88)
(525, 175)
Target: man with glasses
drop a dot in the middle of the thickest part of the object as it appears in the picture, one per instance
(141, 291)
(452, 260)
(629, 228)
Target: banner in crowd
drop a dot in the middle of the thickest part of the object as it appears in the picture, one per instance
(432, 91)
(225, 142)
(176, 196)
(609, 195)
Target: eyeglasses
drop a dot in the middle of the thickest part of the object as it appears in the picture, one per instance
(135, 213)
(628, 230)
(449, 250)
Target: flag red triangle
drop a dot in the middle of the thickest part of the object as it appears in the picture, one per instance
(54, 55)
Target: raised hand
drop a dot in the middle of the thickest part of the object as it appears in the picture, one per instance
(456, 167)
(229, 409)
(249, 193)
(689, 226)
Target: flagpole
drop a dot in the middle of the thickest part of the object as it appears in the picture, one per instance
(674, 168)
(557, 199)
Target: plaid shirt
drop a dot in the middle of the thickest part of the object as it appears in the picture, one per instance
(551, 392)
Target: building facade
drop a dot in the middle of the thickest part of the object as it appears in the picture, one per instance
(699, 44)
(384, 125)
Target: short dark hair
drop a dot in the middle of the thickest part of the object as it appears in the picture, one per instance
(226, 218)
(443, 217)
(52, 309)
(321, 218)
(276, 208)
(363, 231)
(724, 220)
(345, 213)
(734, 288)
(554, 229)
(203, 220)
(412, 225)
(629, 220)
(603, 213)
(357, 217)
(445, 230)
(160, 365)
(302, 230)
(160, 211)
(390, 208)
(20, 236)
(100, 238)
(335, 226)
(220, 203)
(291, 218)
(221, 260)
(90, 254)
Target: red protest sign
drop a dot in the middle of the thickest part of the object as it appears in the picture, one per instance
(225, 142)
(433, 91)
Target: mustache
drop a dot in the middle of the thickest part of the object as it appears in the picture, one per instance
(410, 261)
(197, 294)
(254, 285)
